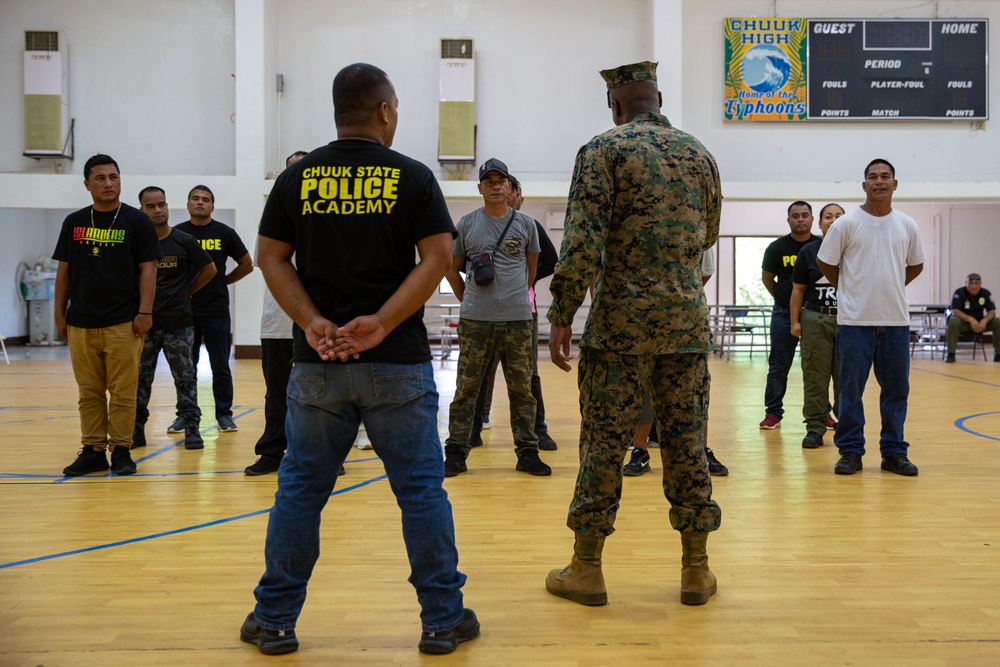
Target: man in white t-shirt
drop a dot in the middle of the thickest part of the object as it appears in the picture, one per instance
(870, 255)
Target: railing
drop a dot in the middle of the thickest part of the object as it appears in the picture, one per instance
(739, 327)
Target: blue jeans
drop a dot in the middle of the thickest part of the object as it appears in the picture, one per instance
(398, 404)
(217, 334)
(888, 349)
(779, 361)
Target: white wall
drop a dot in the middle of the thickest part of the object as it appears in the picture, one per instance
(149, 82)
(538, 93)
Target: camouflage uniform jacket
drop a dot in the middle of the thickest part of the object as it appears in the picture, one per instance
(644, 202)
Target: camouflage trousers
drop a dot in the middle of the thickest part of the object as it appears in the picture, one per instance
(176, 346)
(479, 343)
(818, 347)
(611, 390)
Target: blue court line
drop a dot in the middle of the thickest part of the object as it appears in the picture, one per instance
(162, 450)
(960, 424)
(168, 533)
(955, 377)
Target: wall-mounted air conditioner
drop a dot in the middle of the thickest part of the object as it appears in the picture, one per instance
(47, 125)
(456, 108)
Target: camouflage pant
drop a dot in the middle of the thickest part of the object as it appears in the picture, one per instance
(478, 344)
(176, 346)
(819, 366)
(611, 389)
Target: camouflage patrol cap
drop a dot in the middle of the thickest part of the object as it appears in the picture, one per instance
(626, 74)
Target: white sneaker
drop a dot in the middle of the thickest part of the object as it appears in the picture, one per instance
(362, 441)
(487, 425)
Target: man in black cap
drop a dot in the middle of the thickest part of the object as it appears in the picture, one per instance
(500, 246)
(547, 258)
(972, 309)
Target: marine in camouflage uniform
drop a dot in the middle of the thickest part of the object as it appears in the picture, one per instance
(644, 204)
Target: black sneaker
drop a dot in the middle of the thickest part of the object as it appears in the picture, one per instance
(545, 443)
(475, 439)
(454, 464)
(192, 438)
(342, 471)
(269, 642)
(812, 440)
(177, 426)
(996, 358)
(138, 436)
(899, 464)
(531, 464)
(638, 464)
(87, 461)
(950, 358)
(439, 643)
(227, 425)
(848, 464)
(715, 467)
(264, 465)
(121, 461)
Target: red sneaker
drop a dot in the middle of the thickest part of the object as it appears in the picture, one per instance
(829, 423)
(770, 423)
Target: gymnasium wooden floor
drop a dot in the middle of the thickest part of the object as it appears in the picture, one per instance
(813, 568)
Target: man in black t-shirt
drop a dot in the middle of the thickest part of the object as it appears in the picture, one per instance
(105, 283)
(351, 213)
(972, 309)
(814, 322)
(776, 272)
(212, 323)
(183, 270)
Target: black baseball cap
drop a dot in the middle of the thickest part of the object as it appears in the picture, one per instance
(493, 164)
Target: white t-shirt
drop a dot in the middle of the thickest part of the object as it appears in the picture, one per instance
(873, 253)
(274, 323)
(708, 263)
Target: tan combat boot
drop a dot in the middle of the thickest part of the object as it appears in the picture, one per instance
(697, 581)
(581, 581)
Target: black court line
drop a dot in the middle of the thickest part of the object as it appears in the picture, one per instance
(955, 377)
(177, 531)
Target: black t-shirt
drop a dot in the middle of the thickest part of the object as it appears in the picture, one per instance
(221, 242)
(779, 259)
(974, 306)
(182, 259)
(354, 211)
(104, 257)
(548, 257)
(819, 291)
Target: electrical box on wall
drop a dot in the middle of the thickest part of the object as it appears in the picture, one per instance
(456, 108)
(47, 125)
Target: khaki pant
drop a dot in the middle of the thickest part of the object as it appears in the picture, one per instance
(106, 361)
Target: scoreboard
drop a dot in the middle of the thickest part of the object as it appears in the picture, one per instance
(930, 69)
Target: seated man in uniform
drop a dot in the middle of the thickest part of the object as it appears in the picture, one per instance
(972, 309)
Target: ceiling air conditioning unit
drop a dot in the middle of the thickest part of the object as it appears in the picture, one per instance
(456, 108)
(48, 130)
